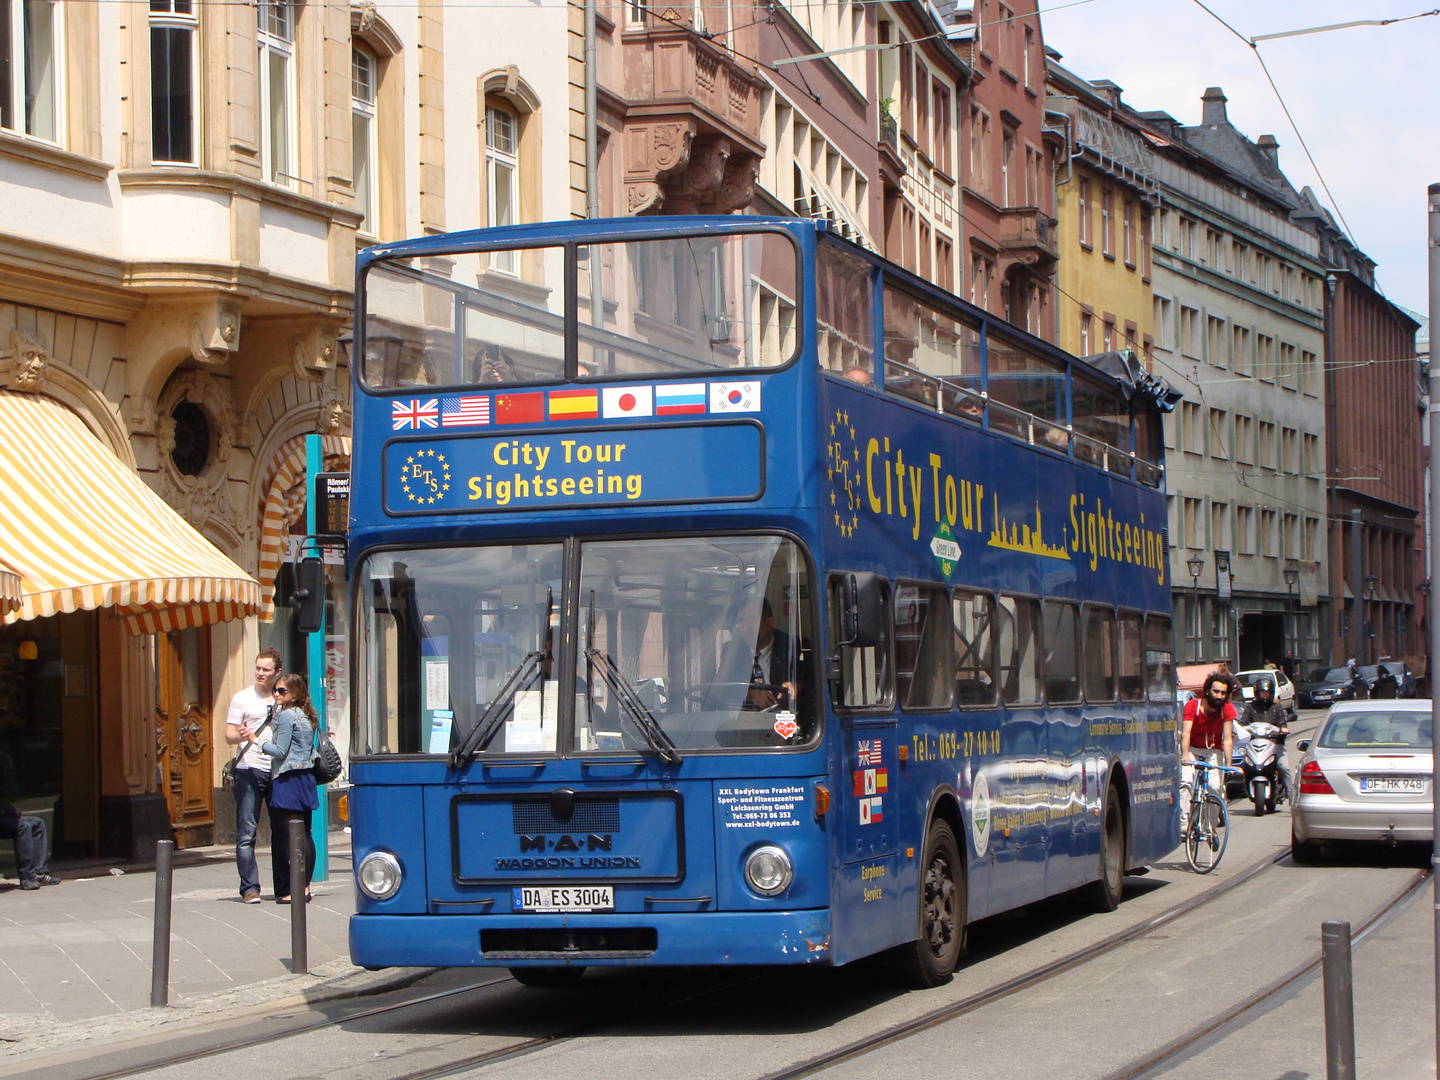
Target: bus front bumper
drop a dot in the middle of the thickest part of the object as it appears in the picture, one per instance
(679, 939)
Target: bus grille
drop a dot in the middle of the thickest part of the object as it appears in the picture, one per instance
(532, 816)
(571, 944)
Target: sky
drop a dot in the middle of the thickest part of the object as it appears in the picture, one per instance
(1359, 97)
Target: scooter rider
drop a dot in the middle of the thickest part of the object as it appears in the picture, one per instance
(1263, 708)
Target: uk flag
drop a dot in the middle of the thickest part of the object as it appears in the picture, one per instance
(867, 752)
(414, 414)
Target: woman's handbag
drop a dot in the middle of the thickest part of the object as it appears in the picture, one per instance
(327, 765)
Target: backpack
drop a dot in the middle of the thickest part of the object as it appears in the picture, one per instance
(328, 765)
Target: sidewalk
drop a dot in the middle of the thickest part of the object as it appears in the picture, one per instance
(75, 957)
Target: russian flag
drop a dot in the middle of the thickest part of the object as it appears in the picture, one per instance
(679, 398)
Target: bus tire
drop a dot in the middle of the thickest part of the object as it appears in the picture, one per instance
(547, 976)
(1104, 895)
(932, 957)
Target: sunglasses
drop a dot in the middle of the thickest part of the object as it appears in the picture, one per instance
(281, 691)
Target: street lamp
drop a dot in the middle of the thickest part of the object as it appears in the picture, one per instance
(383, 347)
(1370, 582)
(1292, 578)
(1195, 564)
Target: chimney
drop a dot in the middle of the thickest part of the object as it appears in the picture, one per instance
(1270, 147)
(1214, 100)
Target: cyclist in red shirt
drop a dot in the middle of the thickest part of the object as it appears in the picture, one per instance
(1207, 731)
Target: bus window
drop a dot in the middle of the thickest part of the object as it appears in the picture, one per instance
(1024, 385)
(974, 649)
(1101, 416)
(427, 328)
(1131, 657)
(428, 688)
(930, 356)
(845, 313)
(865, 674)
(689, 304)
(1149, 446)
(924, 659)
(1099, 653)
(1018, 648)
(1062, 653)
(712, 637)
(1159, 663)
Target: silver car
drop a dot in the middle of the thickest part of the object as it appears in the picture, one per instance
(1365, 776)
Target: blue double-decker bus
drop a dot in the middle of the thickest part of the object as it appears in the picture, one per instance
(724, 594)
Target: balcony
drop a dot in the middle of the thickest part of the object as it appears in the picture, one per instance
(1029, 236)
(691, 127)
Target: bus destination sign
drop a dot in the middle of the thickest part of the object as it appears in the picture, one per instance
(566, 469)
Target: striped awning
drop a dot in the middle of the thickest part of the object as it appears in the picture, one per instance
(85, 533)
(10, 596)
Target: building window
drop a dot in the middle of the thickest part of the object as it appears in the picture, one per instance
(1189, 334)
(1245, 530)
(502, 139)
(1219, 434)
(174, 54)
(1243, 362)
(942, 129)
(635, 12)
(276, 25)
(364, 82)
(1128, 227)
(1029, 48)
(1007, 162)
(1087, 332)
(1107, 222)
(1084, 208)
(30, 37)
(1215, 340)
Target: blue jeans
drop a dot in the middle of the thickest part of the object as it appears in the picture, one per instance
(32, 851)
(252, 787)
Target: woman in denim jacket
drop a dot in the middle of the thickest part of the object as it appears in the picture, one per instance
(292, 783)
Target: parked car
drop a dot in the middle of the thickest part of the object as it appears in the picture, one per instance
(1403, 676)
(1380, 682)
(1365, 776)
(1325, 686)
(1284, 688)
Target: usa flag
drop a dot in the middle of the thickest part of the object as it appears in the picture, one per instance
(414, 414)
(461, 411)
(868, 752)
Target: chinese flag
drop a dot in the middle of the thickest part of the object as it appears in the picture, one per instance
(519, 408)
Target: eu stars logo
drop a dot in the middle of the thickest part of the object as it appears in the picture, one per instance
(842, 466)
(425, 477)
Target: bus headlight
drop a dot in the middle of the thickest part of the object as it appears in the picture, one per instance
(768, 870)
(379, 875)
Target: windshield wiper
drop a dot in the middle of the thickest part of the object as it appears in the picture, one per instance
(640, 716)
(480, 734)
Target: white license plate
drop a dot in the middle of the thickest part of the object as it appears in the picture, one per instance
(1381, 784)
(544, 898)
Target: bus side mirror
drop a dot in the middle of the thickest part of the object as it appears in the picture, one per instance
(864, 614)
(309, 595)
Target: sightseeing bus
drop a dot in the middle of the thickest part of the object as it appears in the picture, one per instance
(725, 594)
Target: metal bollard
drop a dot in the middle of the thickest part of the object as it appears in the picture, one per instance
(299, 946)
(1339, 1001)
(160, 953)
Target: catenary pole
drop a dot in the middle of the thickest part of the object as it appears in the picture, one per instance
(1434, 595)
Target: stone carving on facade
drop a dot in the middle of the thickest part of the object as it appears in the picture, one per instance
(332, 416)
(719, 178)
(215, 332)
(204, 499)
(25, 366)
(738, 190)
(367, 16)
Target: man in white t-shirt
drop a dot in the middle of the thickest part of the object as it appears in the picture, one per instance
(247, 726)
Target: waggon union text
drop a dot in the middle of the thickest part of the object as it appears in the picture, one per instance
(585, 862)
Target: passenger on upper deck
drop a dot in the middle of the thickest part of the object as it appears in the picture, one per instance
(495, 365)
(859, 375)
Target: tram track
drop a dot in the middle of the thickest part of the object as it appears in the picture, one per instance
(943, 1015)
(1177, 1048)
(495, 1055)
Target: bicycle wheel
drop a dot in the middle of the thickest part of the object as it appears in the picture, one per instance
(1205, 841)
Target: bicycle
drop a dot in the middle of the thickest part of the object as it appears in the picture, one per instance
(1207, 819)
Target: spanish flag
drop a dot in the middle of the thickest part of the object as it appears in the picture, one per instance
(574, 404)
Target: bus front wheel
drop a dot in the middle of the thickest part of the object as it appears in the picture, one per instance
(1104, 895)
(931, 959)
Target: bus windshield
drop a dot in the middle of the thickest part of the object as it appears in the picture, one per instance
(707, 639)
(675, 305)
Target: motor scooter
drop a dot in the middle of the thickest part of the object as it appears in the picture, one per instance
(1261, 763)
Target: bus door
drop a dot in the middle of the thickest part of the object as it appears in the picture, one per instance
(868, 803)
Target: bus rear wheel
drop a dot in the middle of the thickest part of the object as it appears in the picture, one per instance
(931, 959)
(1104, 895)
(547, 976)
